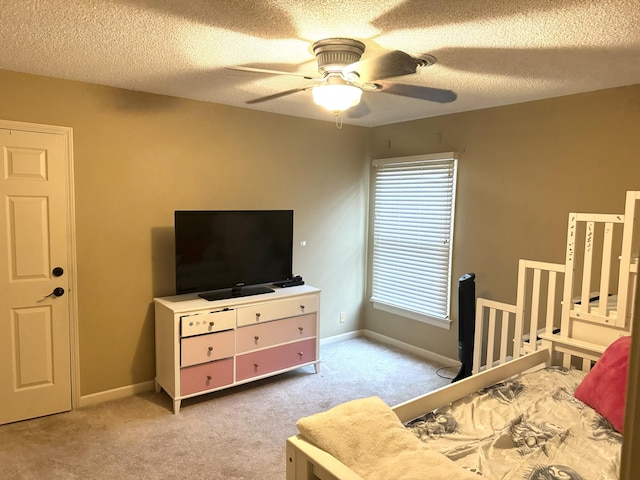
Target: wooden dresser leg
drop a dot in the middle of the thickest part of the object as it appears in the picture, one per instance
(176, 406)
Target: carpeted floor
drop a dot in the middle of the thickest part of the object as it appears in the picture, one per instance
(235, 434)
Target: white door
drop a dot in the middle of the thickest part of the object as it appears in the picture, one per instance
(35, 361)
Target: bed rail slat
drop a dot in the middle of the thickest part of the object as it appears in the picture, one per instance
(607, 242)
(535, 309)
(477, 336)
(569, 269)
(520, 302)
(551, 306)
(504, 344)
(491, 332)
(587, 266)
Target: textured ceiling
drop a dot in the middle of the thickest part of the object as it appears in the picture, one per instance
(489, 52)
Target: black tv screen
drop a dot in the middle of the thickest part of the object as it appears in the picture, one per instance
(227, 252)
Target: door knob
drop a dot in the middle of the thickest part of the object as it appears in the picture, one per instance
(57, 292)
(58, 272)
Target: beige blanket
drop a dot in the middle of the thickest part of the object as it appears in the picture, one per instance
(367, 436)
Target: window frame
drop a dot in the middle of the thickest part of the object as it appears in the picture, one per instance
(378, 301)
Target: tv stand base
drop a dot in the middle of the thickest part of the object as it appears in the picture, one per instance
(235, 292)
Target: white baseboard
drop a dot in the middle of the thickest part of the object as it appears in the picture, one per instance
(421, 352)
(341, 337)
(116, 393)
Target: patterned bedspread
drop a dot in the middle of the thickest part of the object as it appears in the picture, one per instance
(527, 428)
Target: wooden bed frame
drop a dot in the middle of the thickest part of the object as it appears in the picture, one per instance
(558, 319)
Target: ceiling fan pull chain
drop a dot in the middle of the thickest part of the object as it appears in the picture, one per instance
(339, 118)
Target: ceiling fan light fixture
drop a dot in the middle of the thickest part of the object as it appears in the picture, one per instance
(337, 97)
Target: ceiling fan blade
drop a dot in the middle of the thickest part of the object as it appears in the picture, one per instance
(416, 91)
(278, 95)
(271, 72)
(392, 64)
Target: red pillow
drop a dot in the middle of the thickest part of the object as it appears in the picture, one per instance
(604, 388)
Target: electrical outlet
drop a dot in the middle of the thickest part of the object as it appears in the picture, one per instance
(342, 315)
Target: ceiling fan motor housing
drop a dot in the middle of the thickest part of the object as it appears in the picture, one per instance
(334, 53)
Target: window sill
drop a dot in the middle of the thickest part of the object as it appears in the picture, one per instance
(420, 317)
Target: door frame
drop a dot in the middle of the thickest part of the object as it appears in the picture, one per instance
(74, 343)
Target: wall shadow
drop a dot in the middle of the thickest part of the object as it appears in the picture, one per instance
(163, 270)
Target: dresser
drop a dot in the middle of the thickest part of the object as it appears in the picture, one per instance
(204, 346)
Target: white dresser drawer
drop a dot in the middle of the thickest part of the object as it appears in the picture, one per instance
(287, 307)
(205, 348)
(209, 322)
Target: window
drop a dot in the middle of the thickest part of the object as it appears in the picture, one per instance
(414, 201)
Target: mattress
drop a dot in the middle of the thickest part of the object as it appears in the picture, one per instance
(529, 427)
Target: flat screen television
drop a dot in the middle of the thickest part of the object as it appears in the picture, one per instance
(232, 253)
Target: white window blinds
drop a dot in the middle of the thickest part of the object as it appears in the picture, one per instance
(414, 200)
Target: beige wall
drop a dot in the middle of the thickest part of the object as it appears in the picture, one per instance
(522, 169)
(139, 157)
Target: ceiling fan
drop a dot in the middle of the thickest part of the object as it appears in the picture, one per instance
(344, 76)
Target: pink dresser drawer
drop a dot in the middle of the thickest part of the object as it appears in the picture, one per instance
(273, 333)
(206, 348)
(274, 359)
(206, 376)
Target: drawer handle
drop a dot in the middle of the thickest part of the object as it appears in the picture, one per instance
(211, 324)
(209, 378)
(257, 317)
(300, 354)
(256, 338)
(211, 349)
(302, 307)
(301, 329)
(255, 366)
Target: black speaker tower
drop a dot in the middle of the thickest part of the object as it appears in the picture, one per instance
(466, 323)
